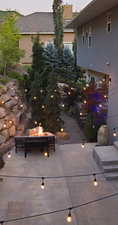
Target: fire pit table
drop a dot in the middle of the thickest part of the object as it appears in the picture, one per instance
(44, 141)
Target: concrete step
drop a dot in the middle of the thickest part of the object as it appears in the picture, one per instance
(115, 144)
(110, 168)
(105, 155)
(111, 176)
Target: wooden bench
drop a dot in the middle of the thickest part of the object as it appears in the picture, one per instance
(27, 143)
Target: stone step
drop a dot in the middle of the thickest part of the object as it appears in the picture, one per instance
(110, 168)
(111, 176)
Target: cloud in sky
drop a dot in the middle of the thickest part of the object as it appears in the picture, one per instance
(27, 7)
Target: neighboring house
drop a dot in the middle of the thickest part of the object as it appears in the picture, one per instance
(42, 23)
(96, 29)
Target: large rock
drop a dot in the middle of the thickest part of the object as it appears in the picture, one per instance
(2, 139)
(103, 135)
(5, 134)
(3, 112)
(10, 104)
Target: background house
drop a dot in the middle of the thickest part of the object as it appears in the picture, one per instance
(96, 29)
(42, 23)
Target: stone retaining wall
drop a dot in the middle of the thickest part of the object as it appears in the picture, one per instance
(13, 115)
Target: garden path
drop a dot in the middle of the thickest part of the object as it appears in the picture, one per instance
(72, 128)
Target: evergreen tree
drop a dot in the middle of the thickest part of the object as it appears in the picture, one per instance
(58, 25)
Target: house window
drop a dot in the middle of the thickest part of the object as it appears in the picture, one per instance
(108, 24)
(89, 41)
(90, 37)
(83, 36)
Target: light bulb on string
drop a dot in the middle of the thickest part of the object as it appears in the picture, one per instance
(84, 88)
(100, 82)
(42, 184)
(69, 217)
(100, 105)
(63, 105)
(9, 155)
(16, 97)
(2, 102)
(62, 129)
(85, 101)
(83, 144)
(34, 97)
(41, 91)
(87, 85)
(95, 182)
(26, 90)
(69, 93)
(43, 107)
(52, 96)
(81, 113)
(114, 132)
(35, 122)
(10, 121)
(5, 125)
(105, 96)
(46, 154)
(21, 106)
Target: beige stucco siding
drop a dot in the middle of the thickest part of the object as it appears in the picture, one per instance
(26, 44)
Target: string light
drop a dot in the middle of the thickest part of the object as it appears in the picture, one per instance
(100, 105)
(85, 101)
(105, 96)
(41, 91)
(87, 85)
(52, 96)
(26, 90)
(81, 113)
(69, 93)
(16, 97)
(42, 184)
(84, 88)
(69, 217)
(21, 105)
(46, 154)
(62, 129)
(63, 105)
(43, 107)
(100, 82)
(60, 210)
(10, 121)
(95, 183)
(9, 155)
(4, 125)
(83, 144)
(34, 97)
(114, 132)
(2, 102)
(35, 122)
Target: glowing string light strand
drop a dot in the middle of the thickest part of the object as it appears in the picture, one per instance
(60, 210)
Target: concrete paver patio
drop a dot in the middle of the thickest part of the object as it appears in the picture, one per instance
(21, 197)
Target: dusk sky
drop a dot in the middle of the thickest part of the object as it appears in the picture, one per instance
(28, 6)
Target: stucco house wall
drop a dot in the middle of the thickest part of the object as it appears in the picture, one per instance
(102, 56)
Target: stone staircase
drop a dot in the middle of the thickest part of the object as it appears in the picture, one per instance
(107, 159)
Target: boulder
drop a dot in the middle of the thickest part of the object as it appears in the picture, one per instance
(103, 135)
(3, 112)
(2, 139)
(5, 134)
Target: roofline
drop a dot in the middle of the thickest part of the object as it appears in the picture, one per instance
(65, 31)
(92, 10)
